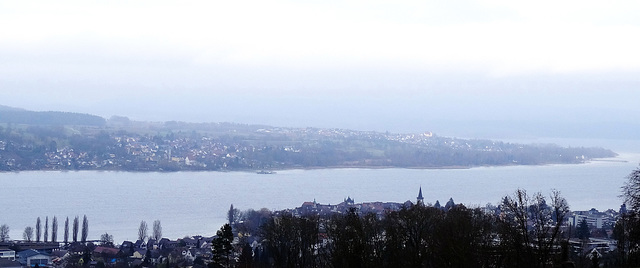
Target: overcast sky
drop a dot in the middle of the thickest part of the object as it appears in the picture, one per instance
(372, 65)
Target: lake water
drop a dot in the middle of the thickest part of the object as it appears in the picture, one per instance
(195, 203)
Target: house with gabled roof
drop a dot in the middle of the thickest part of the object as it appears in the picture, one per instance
(205, 242)
(203, 253)
(7, 254)
(165, 243)
(139, 254)
(140, 244)
(151, 244)
(32, 257)
(190, 242)
(106, 251)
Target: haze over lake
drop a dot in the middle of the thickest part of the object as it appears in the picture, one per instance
(195, 203)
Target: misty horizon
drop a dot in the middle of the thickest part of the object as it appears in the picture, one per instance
(477, 69)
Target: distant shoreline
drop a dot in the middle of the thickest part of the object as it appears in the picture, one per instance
(275, 170)
(609, 160)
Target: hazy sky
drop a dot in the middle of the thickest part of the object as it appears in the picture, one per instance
(445, 66)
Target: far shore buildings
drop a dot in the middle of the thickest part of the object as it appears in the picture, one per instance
(378, 208)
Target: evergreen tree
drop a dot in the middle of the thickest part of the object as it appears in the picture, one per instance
(582, 230)
(221, 246)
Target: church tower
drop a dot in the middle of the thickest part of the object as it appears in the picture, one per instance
(420, 198)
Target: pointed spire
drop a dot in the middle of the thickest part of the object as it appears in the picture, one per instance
(420, 198)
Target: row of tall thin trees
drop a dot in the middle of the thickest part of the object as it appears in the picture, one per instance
(31, 233)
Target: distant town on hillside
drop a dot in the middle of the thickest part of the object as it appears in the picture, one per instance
(70, 141)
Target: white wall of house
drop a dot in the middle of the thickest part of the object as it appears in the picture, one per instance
(38, 259)
(8, 255)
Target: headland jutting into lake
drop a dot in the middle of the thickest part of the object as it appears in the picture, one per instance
(69, 141)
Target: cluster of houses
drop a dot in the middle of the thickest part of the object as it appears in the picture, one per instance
(600, 223)
(146, 153)
(141, 154)
(197, 251)
(185, 252)
(314, 208)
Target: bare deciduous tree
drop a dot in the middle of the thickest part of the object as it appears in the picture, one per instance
(157, 230)
(106, 239)
(142, 230)
(627, 228)
(631, 190)
(532, 227)
(4, 233)
(27, 235)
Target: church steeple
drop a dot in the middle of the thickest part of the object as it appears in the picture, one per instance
(420, 198)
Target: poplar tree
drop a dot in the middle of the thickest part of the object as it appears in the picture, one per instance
(38, 229)
(76, 226)
(54, 229)
(66, 230)
(233, 215)
(46, 229)
(85, 229)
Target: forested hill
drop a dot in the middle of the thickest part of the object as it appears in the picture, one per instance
(7, 108)
(17, 116)
(86, 142)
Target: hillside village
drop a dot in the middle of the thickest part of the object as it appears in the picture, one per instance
(173, 146)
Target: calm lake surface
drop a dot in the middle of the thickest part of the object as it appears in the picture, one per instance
(195, 203)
